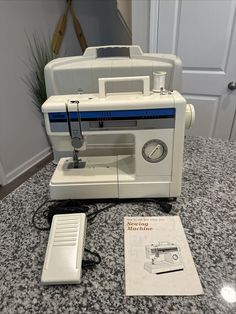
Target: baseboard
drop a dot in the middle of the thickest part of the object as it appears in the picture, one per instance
(27, 165)
(3, 180)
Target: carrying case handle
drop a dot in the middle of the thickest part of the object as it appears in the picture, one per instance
(102, 83)
(93, 52)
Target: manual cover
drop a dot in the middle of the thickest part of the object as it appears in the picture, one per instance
(158, 260)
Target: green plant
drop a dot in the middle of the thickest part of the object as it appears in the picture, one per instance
(40, 53)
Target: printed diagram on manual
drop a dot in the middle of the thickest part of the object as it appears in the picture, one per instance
(165, 257)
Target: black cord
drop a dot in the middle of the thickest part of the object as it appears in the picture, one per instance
(91, 263)
(165, 206)
(66, 206)
(93, 215)
(70, 207)
(76, 206)
(37, 211)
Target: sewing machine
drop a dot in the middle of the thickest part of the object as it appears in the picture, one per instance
(165, 257)
(127, 139)
(152, 123)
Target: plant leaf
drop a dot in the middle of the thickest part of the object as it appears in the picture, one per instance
(40, 53)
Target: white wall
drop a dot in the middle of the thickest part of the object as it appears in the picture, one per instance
(22, 137)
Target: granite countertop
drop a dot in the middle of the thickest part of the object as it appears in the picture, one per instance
(206, 208)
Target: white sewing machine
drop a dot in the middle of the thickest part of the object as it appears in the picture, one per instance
(125, 144)
(152, 123)
(165, 257)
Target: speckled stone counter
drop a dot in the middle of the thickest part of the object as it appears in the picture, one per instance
(207, 211)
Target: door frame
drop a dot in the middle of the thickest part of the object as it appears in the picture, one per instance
(153, 25)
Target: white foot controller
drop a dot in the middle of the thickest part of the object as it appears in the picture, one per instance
(63, 260)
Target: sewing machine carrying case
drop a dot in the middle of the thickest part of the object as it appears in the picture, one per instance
(72, 75)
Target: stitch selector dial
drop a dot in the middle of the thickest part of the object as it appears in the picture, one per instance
(154, 150)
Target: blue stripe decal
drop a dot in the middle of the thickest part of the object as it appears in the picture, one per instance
(114, 114)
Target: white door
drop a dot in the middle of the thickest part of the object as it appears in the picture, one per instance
(203, 34)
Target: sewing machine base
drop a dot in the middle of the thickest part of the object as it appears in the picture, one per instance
(109, 177)
(162, 267)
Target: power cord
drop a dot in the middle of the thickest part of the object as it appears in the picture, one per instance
(93, 215)
(65, 207)
(164, 205)
(91, 263)
(44, 215)
(76, 206)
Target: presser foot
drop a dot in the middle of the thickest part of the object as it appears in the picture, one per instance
(77, 163)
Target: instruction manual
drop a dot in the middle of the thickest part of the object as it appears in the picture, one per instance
(158, 260)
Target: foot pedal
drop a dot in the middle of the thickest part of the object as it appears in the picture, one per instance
(63, 260)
